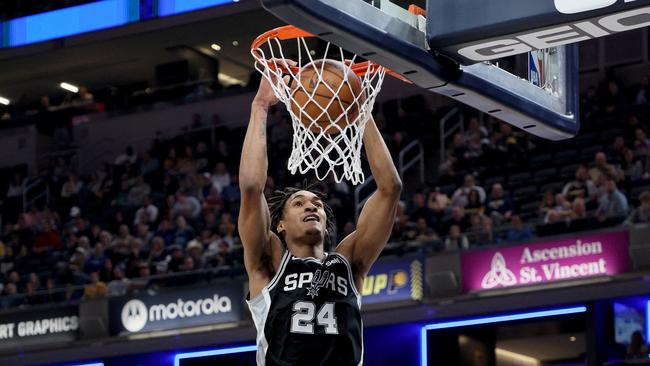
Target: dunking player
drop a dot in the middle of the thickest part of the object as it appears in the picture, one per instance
(304, 301)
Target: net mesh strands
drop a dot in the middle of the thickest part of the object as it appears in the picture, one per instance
(327, 129)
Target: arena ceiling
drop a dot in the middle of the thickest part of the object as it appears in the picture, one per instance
(129, 54)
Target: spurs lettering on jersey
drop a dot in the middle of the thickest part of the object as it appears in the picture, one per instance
(314, 282)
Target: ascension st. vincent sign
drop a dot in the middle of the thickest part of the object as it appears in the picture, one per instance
(549, 261)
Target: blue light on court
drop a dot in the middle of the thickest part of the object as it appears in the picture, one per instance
(647, 321)
(212, 352)
(490, 320)
(88, 364)
(171, 7)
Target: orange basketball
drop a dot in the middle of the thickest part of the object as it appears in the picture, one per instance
(317, 113)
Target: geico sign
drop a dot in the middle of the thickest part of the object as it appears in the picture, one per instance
(135, 314)
(557, 36)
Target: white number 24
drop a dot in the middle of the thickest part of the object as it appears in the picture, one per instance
(303, 317)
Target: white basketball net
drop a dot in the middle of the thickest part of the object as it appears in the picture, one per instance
(325, 143)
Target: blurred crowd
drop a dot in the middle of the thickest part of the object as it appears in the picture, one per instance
(166, 214)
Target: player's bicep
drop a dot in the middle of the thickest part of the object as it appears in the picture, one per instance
(374, 227)
(254, 229)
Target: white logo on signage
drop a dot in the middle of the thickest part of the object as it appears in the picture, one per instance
(134, 315)
(499, 274)
(579, 6)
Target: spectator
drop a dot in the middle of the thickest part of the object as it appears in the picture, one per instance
(547, 204)
(456, 240)
(581, 187)
(637, 348)
(147, 208)
(602, 167)
(120, 285)
(460, 196)
(138, 192)
(474, 205)
(420, 209)
(641, 142)
(438, 203)
(128, 157)
(96, 260)
(518, 231)
(613, 203)
(561, 210)
(459, 218)
(617, 151)
(96, 288)
(640, 214)
(220, 178)
(47, 240)
(184, 232)
(10, 297)
(186, 205)
(499, 205)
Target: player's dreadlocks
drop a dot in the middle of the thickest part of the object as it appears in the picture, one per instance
(276, 206)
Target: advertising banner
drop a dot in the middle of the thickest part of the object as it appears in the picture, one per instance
(39, 325)
(394, 280)
(166, 310)
(549, 261)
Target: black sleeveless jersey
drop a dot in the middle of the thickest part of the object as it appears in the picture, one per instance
(309, 314)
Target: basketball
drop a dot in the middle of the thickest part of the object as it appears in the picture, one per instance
(319, 102)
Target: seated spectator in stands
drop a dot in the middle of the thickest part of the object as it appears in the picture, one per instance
(141, 281)
(32, 297)
(186, 205)
(223, 259)
(547, 204)
(474, 205)
(95, 261)
(642, 93)
(561, 210)
(612, 98)
(96, 288)
(128, 157)
(613, 203)
(138, 192)
(220, 177)
(499, 206)
(485, 236)
(602, 167)
(148, 212)
(518, 231)
(637, 349)
(47, 240)
(120, 285)
(456, 240)
(419, 209)
(616, 152)
(509, 144)
(632, 167)
(195, 251)
(578, 209)
(460, 196)
(184, 232)
(438, 203)
(640, 214)
(458, 217)
(10, 297)
(581, 187)
(641, 142)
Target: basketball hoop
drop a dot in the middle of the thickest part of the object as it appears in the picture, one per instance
(324, 143)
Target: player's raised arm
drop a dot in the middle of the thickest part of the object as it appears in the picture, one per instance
(376, 220)
(261, 248)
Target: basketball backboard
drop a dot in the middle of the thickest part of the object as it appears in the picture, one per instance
(449, 52)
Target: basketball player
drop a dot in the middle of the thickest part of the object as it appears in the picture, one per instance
(304, 301)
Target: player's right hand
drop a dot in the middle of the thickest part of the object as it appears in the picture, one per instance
(265, 95)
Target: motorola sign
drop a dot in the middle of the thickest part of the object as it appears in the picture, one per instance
(177, 309)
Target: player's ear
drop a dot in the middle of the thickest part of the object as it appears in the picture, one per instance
(280, 227)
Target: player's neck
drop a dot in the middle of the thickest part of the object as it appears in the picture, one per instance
(306, 251)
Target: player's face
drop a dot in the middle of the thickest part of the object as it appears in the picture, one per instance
(304, 213)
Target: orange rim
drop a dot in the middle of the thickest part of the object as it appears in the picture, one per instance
(291, 32)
